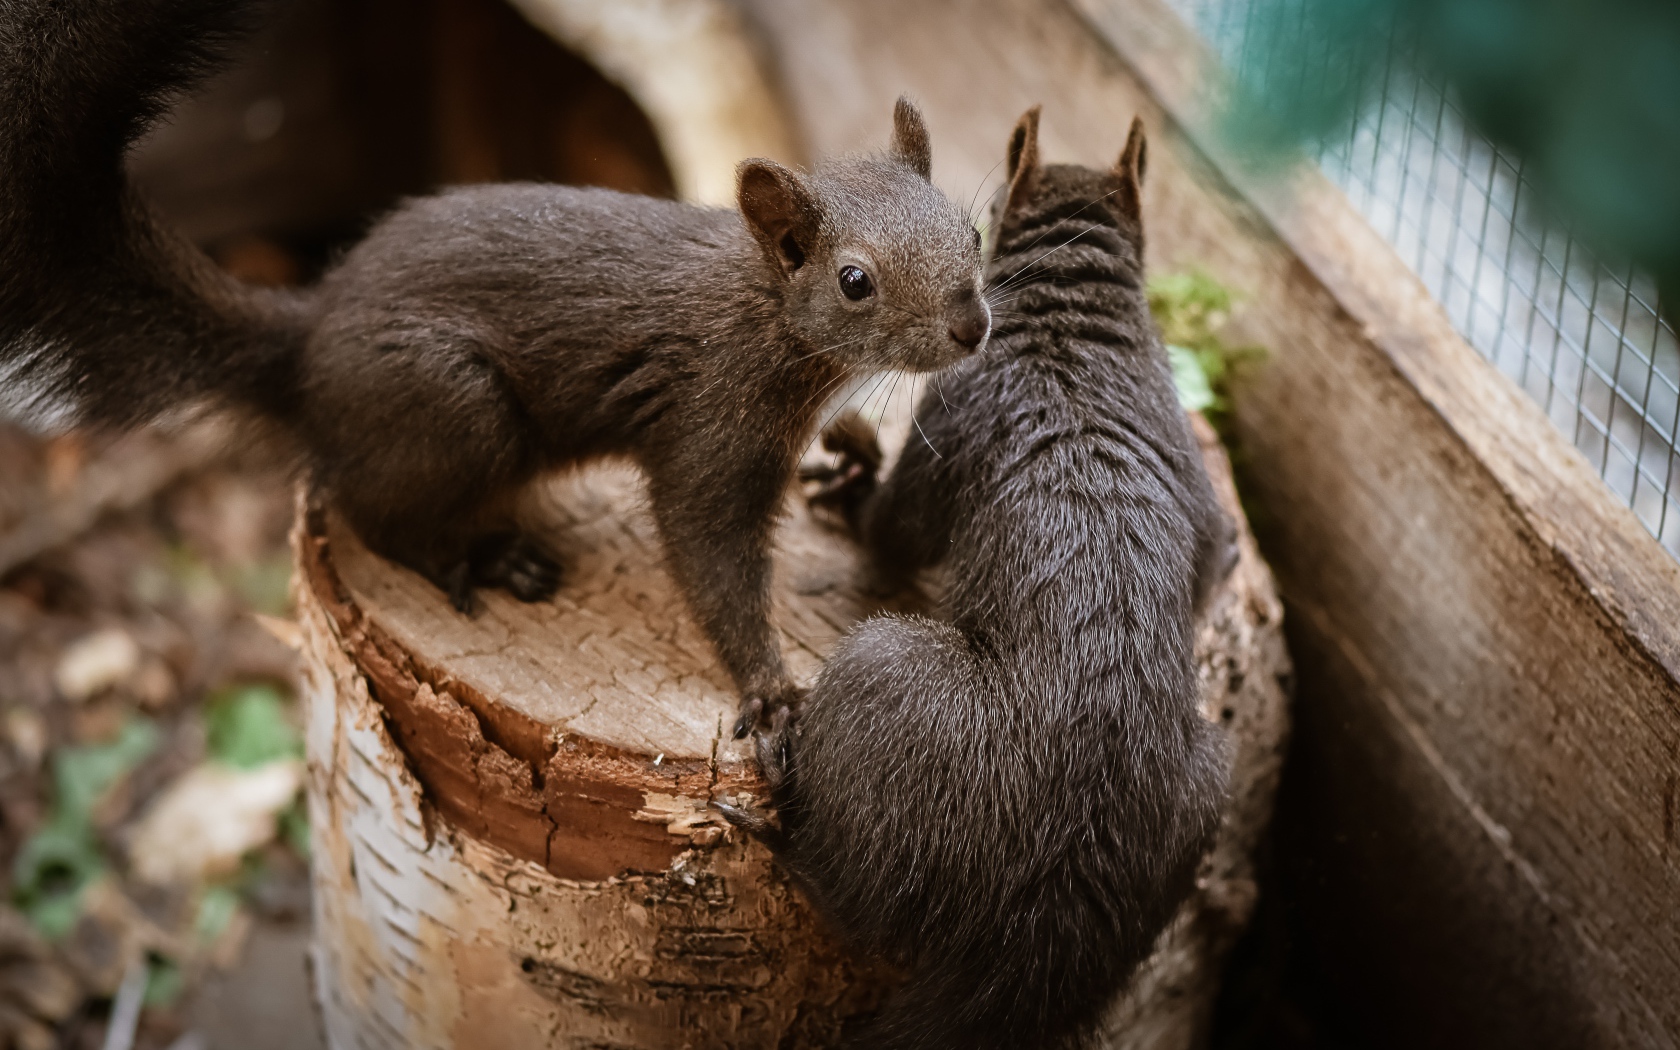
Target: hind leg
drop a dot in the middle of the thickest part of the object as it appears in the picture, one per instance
(459, 553)
(415, 435)
(515, 563)
(487, 557)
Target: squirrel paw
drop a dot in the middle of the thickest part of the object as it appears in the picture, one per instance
(520, 567)
(507, 560)
(774, 750)
(848, 483)
(754, 823)
(773, 706)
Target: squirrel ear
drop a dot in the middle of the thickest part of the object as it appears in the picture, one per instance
(1128, 171)
(1023, 160)
(910, 142)
(779, 211)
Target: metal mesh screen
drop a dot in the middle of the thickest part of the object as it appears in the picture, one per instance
(1584, 339)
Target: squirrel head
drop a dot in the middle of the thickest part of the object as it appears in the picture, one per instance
(875, 265)
(1036, 194)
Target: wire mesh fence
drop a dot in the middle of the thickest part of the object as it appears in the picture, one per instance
(1585, 339)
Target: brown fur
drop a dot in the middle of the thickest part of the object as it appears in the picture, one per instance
(1009, 803)
(480, 338)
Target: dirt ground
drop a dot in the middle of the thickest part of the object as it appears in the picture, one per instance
(152, 843)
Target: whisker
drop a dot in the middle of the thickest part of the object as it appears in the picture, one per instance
(918, 425)
(886, 403)
(825, 350)
(836, 410)
(1022, 272)
(824, 392)
(975, 197)
(1075, 215)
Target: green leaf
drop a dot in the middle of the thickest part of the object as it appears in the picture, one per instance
(1191, 309)
(63, 856)
(1195, 393)
(164, 983)
(55, 915)
(250, 727)
(82, 774)
(52, 870)
(215, 910)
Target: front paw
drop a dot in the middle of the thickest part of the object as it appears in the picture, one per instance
(845, 486)
(772, 706)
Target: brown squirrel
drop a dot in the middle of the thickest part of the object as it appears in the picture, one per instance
(480, 338)
(1009, 804)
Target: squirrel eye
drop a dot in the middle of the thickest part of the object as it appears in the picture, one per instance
(977, 238)
(855, 283)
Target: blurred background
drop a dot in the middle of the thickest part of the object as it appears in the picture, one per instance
(1424, 887)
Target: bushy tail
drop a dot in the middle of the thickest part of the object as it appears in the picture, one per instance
(106, 317)
(956, 1007)
(1017, 877)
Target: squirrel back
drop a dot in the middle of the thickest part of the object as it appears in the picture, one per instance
(478, 338)
(1010, 804)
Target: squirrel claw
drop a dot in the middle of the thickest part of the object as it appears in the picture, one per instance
(458, 584)
(840, 484)
(756, 824)
(852, 438)
(845, 486)
(777, 707)
(520, 567)
(774, 750)
(748, 720)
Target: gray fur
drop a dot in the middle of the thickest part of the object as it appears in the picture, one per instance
(1010, 804)
(480, 338)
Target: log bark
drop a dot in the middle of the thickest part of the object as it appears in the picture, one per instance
(512, 844)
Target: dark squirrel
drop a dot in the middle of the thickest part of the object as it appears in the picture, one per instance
(1010, 805)
(479, 338)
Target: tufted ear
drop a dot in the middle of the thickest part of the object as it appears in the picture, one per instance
(780, 212)
(910, 142)
(1023, 160)
(1128, 172)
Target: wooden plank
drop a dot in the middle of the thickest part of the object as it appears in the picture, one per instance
(1491, 632)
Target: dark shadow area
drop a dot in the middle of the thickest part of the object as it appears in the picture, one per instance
(1367, 932)
(344, 106)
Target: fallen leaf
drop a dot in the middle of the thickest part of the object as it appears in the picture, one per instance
(203, 823)
(26, 731)
(95, 663)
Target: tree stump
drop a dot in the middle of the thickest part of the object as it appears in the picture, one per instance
(512, 843)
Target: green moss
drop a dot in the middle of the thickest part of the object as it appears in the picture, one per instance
(1191, 309)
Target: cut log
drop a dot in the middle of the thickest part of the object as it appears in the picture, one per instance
(512, 842)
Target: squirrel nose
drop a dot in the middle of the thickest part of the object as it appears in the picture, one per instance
(971, 323)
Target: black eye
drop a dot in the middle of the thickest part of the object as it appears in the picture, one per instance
(855, 283)
(977, 239)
